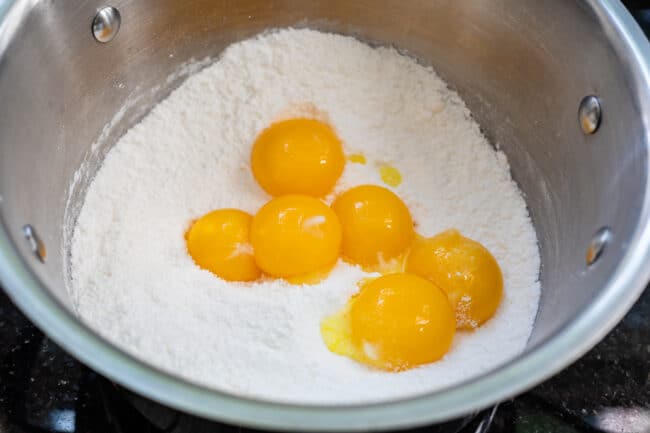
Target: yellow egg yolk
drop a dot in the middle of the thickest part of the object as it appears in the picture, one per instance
(313, 277)
(296, 236)
(390, 175)
(395, 322)
(297, 156)
(357, 158)
(465, 270)
(377, 226)
(219, 242)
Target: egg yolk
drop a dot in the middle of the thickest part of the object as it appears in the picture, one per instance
(390, 175)
(465, 270)
(396, 322)
(295, 236)
(357, 158)
(377, 226)
(297, 156)
(219, 242)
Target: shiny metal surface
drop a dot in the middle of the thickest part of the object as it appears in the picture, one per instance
(589, 114)
(106, 24)
(521, 66)
(597, 245)
(35, 243)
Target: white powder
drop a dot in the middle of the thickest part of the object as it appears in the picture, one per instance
(133, 281)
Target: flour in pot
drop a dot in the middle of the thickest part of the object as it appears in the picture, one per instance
(133, 281)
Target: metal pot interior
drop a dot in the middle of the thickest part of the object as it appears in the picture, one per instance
(522, 67)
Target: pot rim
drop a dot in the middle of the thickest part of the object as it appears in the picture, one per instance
(523, 372)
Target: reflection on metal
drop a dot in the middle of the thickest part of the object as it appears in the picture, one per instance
(598, 244)
(106, 24)
(35, 243)
(589, 114)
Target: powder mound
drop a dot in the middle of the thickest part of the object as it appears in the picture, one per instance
(134, 283)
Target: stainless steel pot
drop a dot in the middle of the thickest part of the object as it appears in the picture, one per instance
(522, 66)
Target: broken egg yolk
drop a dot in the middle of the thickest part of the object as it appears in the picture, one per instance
(465, 270)
(297, 156)
(377, 226)
(395, 322)
(219, 243)
(390, 175)
(295, 236)
(357, 158)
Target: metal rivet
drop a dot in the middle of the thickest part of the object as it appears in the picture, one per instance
(106, 24)
(589, 114)
(598, 244)
(35, 243)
